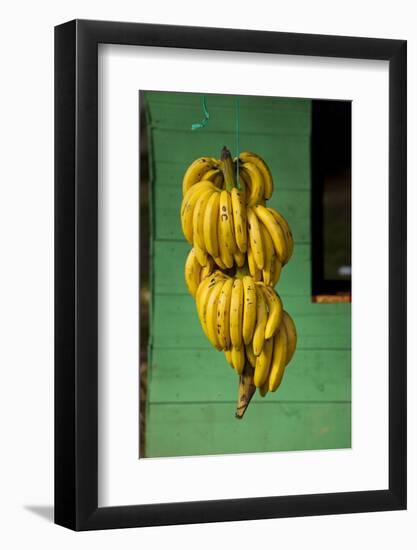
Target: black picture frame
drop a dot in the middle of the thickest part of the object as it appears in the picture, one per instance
(76, 270)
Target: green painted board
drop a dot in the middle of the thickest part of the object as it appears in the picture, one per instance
(294, 281)
(204, 375)
(265, 119)
(250, 101)
(294, 205)
(175, 428)
(193, 100)
(319, 326)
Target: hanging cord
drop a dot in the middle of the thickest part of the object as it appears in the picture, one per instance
(237, 111)
(203, 123)
(198, 125)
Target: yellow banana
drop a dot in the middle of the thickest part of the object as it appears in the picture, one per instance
(210, 224)
(269, 255)
(207, 269)
(196, 171)
(192, 273)
(236, 314)
(291, 331)
(242, 315)
(247, 156)
(201, 255)
(263, 390)
(245, 184)
(226, 257)
(254, 182)
(276, 271)
(274, 310)
(279, 357)
(239, 219)
(228, 355)
(198, 219)
(261, 320)
(253, 268)
(263, 363)
(197, 188)
(211, 174)
(226, 229)
(275, 231)
(249, 309)
(203, 294)
(202, 289)
(215, 175)
(211, 315)
(223, 314)
(238, 359)
(213, 278)
(239, 258)
(219, 180)
(285, 226)
(250, 355)
(188, 204)
(218, 261)
(255, 238)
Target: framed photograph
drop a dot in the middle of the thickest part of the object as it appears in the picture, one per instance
(230, 254)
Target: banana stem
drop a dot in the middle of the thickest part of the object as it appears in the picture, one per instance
(242, 271)
(245, 391)
(226, 164)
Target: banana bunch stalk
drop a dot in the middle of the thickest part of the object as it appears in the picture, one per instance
(239, 247)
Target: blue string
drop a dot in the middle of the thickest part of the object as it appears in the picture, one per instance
(204, 122)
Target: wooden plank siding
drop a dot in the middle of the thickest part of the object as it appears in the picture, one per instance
(191, 389)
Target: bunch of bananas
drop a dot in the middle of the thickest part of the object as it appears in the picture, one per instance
(239, 247)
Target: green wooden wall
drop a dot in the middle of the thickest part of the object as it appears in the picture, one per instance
(191, 389)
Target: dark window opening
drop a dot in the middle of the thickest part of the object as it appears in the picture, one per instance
(331, 200)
